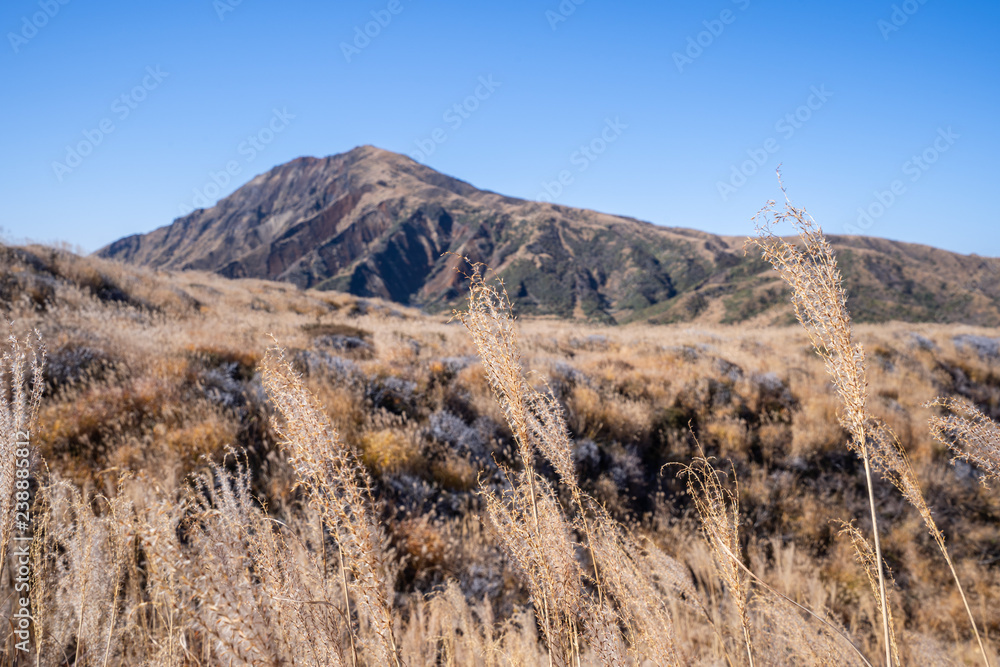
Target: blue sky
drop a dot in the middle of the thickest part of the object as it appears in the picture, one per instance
(883, 115)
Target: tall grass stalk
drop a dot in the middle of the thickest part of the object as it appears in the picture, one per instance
(719, 511)
(539, 427)
(866, 558)
(820, 304)
(340, 488)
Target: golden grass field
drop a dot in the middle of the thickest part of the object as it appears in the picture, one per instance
(385, 487)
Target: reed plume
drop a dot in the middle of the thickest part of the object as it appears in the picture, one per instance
(820, 304)
(340, 489)
(527, 515)
(233, 609)
(719, 511)
(642, 580)
(865, 555)
(969, 434)
(528, 521)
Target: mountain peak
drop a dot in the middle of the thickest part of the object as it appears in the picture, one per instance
(377, 223)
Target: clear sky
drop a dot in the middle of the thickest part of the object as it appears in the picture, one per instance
(118, 114)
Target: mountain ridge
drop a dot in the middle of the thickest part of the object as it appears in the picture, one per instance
(376, 223)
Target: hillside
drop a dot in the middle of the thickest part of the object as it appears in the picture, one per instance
(374, 223)
(157, 373)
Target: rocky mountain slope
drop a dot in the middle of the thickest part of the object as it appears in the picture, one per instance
(375, 223)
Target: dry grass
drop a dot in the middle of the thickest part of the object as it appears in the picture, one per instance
(820, 304)
(339, 488)
(971, 435)
(20, 396)
(408, 491)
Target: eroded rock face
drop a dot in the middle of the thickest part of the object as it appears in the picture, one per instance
(376, 223)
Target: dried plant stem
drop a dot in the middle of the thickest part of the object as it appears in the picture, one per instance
(590, 545)
(79, 631)
(746, 639)
(878, 560)
(546, 620)
(83, 598)
(820, 303)
(968, 610)
(340, 488)
(784, 597)
(347, 604)
(981, 437)
(111, 628)
(111, 625)
(719, 511)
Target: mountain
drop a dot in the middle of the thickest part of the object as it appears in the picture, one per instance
(375, 223)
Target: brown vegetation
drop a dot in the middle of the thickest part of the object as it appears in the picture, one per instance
(383, 487)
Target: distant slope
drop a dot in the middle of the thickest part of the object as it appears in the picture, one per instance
(375, 223)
